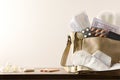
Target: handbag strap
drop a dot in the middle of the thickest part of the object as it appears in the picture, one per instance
(66, 52)
(70, 40)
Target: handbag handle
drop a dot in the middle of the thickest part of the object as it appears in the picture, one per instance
(66, 52)
(75, 35)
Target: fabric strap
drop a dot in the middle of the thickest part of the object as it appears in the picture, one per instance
(66, 52)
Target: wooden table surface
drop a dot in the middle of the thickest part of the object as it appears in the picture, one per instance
(59, 75)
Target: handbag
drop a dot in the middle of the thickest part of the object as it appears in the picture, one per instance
(108, 46)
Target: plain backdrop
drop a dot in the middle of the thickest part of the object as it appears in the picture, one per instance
(33, 33)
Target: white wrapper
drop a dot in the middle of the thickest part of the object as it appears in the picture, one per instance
(81, 58)
(97, 65)
(102, 57)
(79, 22)
(108, 27)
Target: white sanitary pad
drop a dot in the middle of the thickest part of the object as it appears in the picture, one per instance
(81, 58)
(102, 57)
(99, 61)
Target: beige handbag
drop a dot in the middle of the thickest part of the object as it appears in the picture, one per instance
(109, 46)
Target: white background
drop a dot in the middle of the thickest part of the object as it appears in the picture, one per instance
(33, 33)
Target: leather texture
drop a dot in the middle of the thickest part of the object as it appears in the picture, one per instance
(109, 46)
